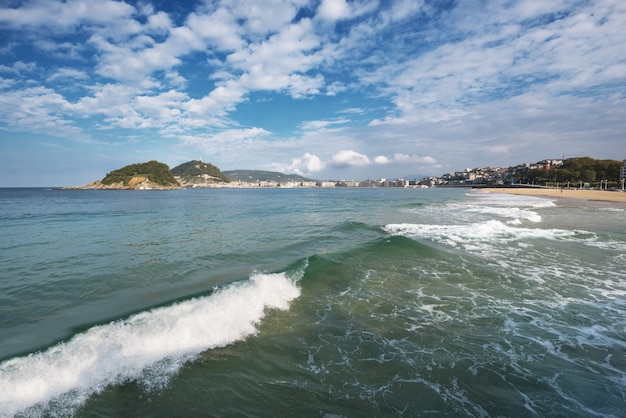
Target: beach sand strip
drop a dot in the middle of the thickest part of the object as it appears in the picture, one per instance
(584, 195)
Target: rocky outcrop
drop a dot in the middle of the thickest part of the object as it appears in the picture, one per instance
(132, 185)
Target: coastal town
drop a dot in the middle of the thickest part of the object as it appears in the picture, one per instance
(522, 174)
(467, 177)
(572, 173)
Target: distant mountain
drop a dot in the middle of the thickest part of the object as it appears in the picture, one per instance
(252, 176)
(197, 172)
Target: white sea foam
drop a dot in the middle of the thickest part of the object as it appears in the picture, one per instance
(482, 206)
(146, 346)
(611, 209)
(510, 200)
(475, 235)
(507, 212)
(516, 214)
(515, 207)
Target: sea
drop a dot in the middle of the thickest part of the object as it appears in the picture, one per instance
(310, 302)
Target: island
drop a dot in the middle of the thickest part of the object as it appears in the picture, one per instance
(155, 175)
(152, 175)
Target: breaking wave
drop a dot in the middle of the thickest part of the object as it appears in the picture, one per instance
(473, 235)
(149, 347)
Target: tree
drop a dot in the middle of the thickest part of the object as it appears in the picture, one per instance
(588, 175)
(563, 174)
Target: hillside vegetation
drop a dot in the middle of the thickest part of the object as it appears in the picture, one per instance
(152, 171)
(582, 169)
(199, 172)
(252, 176)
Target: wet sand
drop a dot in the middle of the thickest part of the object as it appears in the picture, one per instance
(589, 195)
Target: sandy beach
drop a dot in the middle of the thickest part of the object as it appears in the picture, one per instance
(590, 195)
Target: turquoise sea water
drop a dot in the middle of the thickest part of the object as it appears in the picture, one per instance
(316, 302)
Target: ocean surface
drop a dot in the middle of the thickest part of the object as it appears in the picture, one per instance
(310, 302)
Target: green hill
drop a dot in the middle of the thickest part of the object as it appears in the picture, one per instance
(252, 176)
(580, 169)
(196, 172)
(152, 171)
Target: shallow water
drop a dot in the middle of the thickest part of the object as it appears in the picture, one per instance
(337, 302)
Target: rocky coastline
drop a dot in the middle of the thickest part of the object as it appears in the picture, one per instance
(132, 185)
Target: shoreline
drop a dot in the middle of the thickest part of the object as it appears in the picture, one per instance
(584, 195)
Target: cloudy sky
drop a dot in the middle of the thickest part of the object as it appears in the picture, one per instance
(330, 89)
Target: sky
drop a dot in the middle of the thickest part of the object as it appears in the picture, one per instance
(330, 89)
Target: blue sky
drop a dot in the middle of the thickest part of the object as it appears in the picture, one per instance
(329, 89)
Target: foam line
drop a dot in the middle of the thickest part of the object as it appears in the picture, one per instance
(487, 232)
(123, 350)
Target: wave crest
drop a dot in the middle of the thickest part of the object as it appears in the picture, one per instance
(151, 345)
(488, 232)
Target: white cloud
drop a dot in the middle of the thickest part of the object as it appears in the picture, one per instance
(68, 74)
(65, 14)
(428, 160)
(530, 8)
(219, 29)
(333, 10)
(316, 125)
(401, 10)
(262, 17)
(217, 103)
(63, 50)
(400, 158)
(313, 163)
(335, 88)
(129, 62)
(19, 68)
(224, 141)
(6, 83)
(108, 100)
(162, 108)
(158, 22)
(346, 158)
(504, 57)
(39, 110)
(282, 61)
(353, 110)
(304, 166)
(268, 52)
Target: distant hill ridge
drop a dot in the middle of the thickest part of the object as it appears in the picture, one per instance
(195, 173)
(198, 172)
(252, 176)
